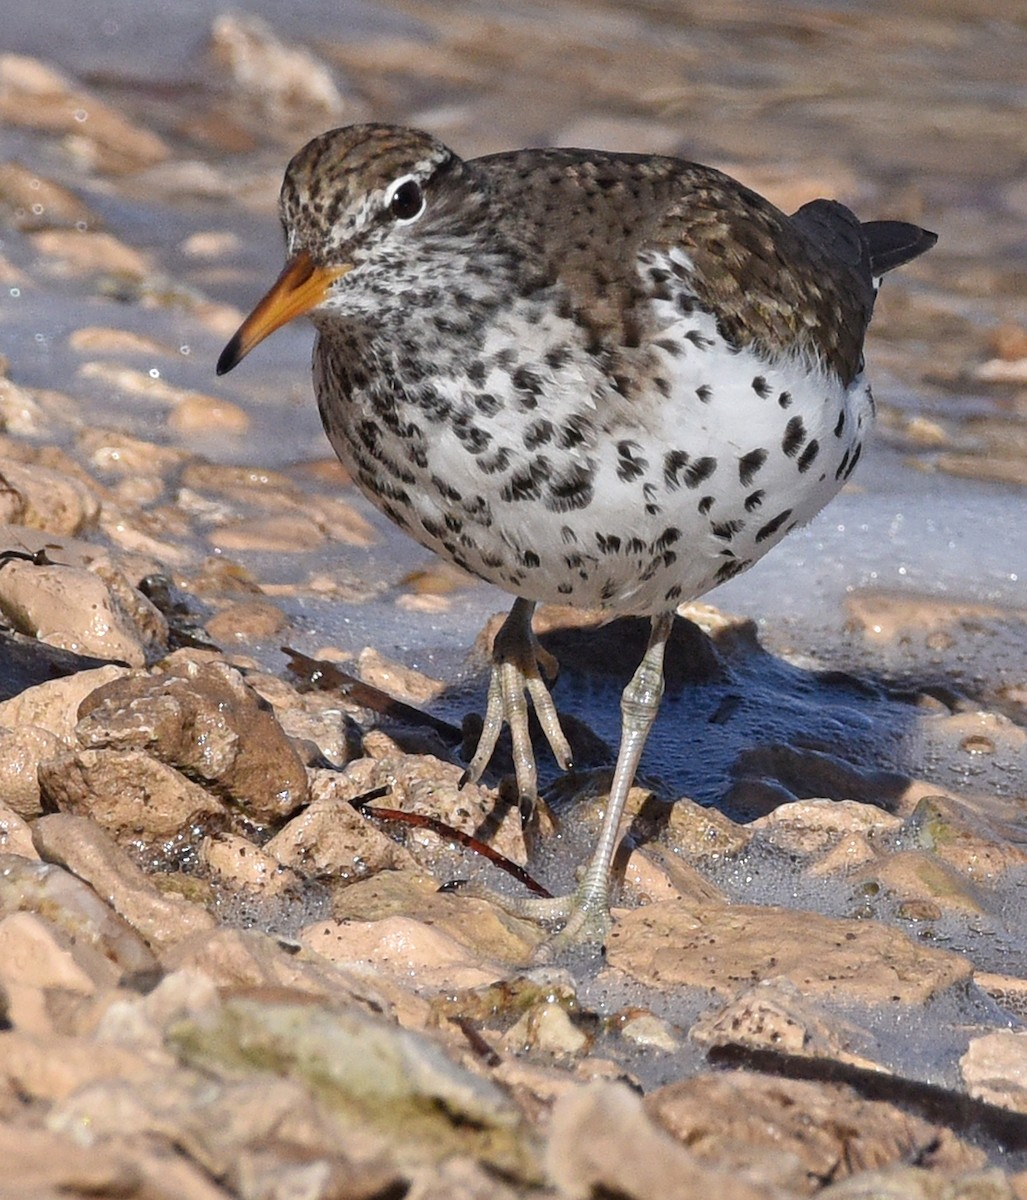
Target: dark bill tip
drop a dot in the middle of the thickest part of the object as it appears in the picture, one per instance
(230, 356)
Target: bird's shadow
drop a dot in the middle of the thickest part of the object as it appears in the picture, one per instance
(739, 728)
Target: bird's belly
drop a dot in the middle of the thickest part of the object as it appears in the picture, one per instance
(639, 510)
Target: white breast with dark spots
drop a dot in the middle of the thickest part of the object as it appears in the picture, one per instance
(527, 468)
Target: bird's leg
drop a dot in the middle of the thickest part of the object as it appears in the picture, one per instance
(516, 656)
(586, 911)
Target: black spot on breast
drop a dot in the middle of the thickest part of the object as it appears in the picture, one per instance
(785, 399)
(731, 568)
(526, 483)
(558, 357)
(573, 432)
(497, 460)
(749, 464)
(704, 392)
(839, 425)
(701, 469)
(852, 462)
(673, 594)
(705, 504)
(630, 463)
(773, 525)
(538, 433)
(674, 461)
(795, 435)
(487, 404)
(568, 534)
(761, 387)
(528, 386)
(754, 500)
(607, 543)
(698, 340)
(572, 491)
(808, 456)
(726, 530)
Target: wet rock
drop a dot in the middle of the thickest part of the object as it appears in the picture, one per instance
(83, 254)
(808, 827)
(39, 1163)
(21, 752)
(482, 930)
(982, 851)
(293, 534)
(790, 1132)
(547, 1028)
(330, 839)
(15, 834)
(30, 201)
(425, 785)
(94, 611)
(240, 865)
(645, 1029)
(201, 718)
(75, 912)
(53, 706)
(246, 620)
(255, 963)
(84, 848)
(36, 95)
(135, 797)
(812, 774)
(102, 339)
(921, 884)
(602, 1141)
(380, 1078)
(774, 1015)
(994, 1068)
(313, 717)
(402, 682)
(35, 954)
(197, 415)
(408, 950)
(283, 86)
(723, 947)
(45, 499)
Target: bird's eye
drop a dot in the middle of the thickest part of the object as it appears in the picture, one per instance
(404, 199)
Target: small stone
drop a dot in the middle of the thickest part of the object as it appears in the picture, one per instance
(280, 535)
(330, 839)
(548, 1028)
(21, 752)
(80, 254)
(994, 1068)
(404, 683)
(53, 706)
(83, 847)
(240, 864)
(203, 719)
(45, 499)
(29, 201)
(245, 621)
(77, 610)
(133, 796)
(100, 339)
(208, 416)
(15, 834)
(670, 945)
(650, 1031)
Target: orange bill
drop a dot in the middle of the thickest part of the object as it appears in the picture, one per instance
(301, 286)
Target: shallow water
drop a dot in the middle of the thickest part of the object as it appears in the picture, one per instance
(905, 110)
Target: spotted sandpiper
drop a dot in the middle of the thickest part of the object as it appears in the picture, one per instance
(607, 380)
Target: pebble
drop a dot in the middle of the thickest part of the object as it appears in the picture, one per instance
(81, 845)
(202, 719)
(22, 749)
(43, 499)
(672, 945)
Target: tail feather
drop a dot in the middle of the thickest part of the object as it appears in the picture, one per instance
(893, 243)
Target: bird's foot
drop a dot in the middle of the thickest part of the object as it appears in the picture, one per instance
(516, 678)
(584, 916)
